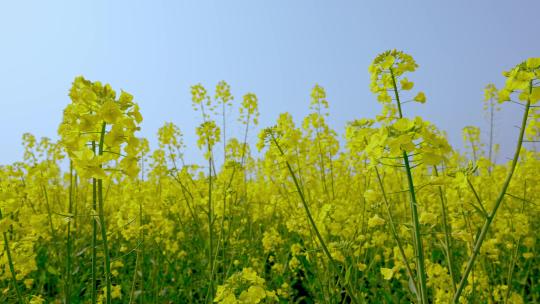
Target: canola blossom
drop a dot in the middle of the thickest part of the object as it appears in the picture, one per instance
(386, 211)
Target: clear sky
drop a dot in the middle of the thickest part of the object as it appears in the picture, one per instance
(277, 49)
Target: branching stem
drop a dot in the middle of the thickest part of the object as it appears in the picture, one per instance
(491, 216)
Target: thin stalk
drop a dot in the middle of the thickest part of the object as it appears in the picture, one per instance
(491, 216)
(515, 255)
(223, 240)
(417, 236)
(490, 153)
(210, 293)
(11, 266)
(49, 213)
(185, 193)
(473, 147)
(322, 163)
(482, 210)
(220, 242)
(243, 158)
(140, 252)
(322, 155)
(94, 235)
(447, 233)
(396, 235)
(134, 280)
(68, 242)
(314, 226)
(414, 212)
(108, 275)
(210, 230)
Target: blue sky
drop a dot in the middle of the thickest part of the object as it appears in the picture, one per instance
(277, 49)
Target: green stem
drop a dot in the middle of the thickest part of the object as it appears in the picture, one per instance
(481, 210)
(395, 233)
(491, 216)
(11, 266)
(322, 164)
(414, 211)
(417, 235)
(108, 275)
(140, 253)
(210, 230)
(473, 146)
(515, 255)
(314, 226)
(68, 243)
(447, 233)
(94, 235)
(134, 280)
(490, 153)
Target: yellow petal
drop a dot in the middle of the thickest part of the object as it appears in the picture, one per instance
(387, 273)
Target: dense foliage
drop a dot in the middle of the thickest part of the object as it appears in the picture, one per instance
(390, 213)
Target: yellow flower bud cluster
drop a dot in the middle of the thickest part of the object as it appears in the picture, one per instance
(386, 69)
(209, 134)
(523, 81)
(249, 109)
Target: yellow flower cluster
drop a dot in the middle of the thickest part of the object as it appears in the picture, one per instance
(98, 129)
